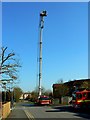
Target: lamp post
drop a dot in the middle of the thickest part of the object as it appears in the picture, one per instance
(42, 15)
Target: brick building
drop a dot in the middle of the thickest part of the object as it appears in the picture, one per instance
(72, 85)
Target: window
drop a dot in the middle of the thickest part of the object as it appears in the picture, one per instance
(84, 94)
(44, 98)
(79, 96)
(74, 96)
(88, 95)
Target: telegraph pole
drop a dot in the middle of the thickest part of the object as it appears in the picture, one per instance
(42, 15)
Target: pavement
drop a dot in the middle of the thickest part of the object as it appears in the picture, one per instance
(17, 113)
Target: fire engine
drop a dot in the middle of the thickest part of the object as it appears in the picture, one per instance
(43, 100)
(81, 99)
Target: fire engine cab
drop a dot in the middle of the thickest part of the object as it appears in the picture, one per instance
(81, 99)
(44, 100)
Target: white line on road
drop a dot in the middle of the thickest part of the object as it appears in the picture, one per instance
(28, 114)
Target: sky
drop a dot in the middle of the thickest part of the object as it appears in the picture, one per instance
(65, 40)
(45, 0)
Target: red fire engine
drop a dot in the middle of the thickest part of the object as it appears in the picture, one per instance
(44, 100)
(81, 99)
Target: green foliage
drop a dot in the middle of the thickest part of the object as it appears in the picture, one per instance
(34, 93)
(17, 93)
(48, 93)
(85, 85)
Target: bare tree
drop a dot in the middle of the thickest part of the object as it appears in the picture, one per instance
(48, 92)
(8, 65)
(60, 81)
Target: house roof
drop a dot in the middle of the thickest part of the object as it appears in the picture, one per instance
(72, 82)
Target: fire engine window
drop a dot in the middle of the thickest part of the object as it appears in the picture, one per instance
(89, 95)
(44, 98)
(84, 94)
(74, 96)
(79, 96)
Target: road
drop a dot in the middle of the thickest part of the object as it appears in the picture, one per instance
(33, 112)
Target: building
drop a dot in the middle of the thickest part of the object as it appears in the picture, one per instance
(72, 86)
(56, 90)
(26, 95)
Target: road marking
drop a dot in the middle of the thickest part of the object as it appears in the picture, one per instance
(28, 114)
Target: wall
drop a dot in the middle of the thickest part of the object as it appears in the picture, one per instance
(65, 100)
(5, 110)
(0, 110)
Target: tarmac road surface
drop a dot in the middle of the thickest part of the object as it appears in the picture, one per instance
(32, 112)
